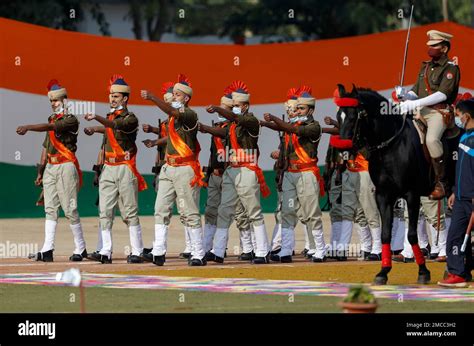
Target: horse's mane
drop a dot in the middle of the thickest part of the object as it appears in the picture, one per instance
(370, 98)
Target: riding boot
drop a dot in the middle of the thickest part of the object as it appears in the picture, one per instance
(439, 168)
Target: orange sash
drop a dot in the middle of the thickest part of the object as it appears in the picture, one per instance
(360, 164)
(248, 161)
(118, 153)
(163, 130)
(186, 155)
(304, 162)
(218, 142)
(64, 151)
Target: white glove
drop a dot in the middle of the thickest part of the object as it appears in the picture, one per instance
(409, 106)
(403, 94)
(433, 99)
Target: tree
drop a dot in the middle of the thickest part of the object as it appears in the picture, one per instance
(57, 14)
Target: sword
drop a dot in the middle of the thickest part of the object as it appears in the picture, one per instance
(402, 78)
(399, 89)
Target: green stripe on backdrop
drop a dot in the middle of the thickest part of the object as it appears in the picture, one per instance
(18, 194)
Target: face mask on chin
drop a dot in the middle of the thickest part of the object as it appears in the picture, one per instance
(112, 109)
(303, 118)
(293, 120)
(176, 104)
(435, 53)
(59, 110)
(237, 110)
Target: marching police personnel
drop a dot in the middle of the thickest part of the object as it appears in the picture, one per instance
(243, 179)
(120, 178)
(281, 165)
(160, 143)
(181, 176)
(59, 173)
(302, 183)
(217, 165)
(98, 168)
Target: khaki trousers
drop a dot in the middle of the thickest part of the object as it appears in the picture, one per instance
(239, 184)
(60, 187)
(174, 186)
(118, 184)
(435, 131)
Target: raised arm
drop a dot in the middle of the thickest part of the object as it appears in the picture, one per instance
(330, 130)
(150, 143)
(147, 128)
(104, 121)
(224, 112)
(284, 126)
(270, 125)
(161, 104)
(213, 130)
(94, 129)
(21, 130)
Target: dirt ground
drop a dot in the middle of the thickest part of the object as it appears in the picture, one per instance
(30, 231)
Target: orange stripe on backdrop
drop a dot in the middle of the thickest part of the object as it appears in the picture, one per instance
(84, 63)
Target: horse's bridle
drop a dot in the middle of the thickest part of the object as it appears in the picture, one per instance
(362, 114)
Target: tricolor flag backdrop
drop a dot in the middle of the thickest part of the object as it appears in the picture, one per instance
(32, 55)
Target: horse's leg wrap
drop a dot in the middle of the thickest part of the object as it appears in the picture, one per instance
(420, 259)
(386, 256)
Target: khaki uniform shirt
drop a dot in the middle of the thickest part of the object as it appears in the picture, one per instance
(443, 76)
(308, 136)
(247, 131)
(185, 125)
(125, 131)
(66, 132)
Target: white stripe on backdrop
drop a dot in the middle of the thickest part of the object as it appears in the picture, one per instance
(19, 108)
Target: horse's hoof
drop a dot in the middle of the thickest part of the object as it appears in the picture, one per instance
(424, 279)
(380, 280)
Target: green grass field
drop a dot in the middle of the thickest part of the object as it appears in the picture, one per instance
(32, 298)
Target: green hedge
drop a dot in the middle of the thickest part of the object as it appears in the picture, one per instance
(18, 194)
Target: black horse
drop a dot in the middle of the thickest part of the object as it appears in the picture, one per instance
(396, 165)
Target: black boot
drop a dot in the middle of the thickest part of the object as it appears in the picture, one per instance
(105, 259)
(261, 260)
(210, 256)
(134, 259)
(94, 256)
(196, 262)
(185, 255)
(246, 256)
(148, 257)
(77, 258)
(275, 252)
(374, 257)
(159, 260)
(42, 256)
